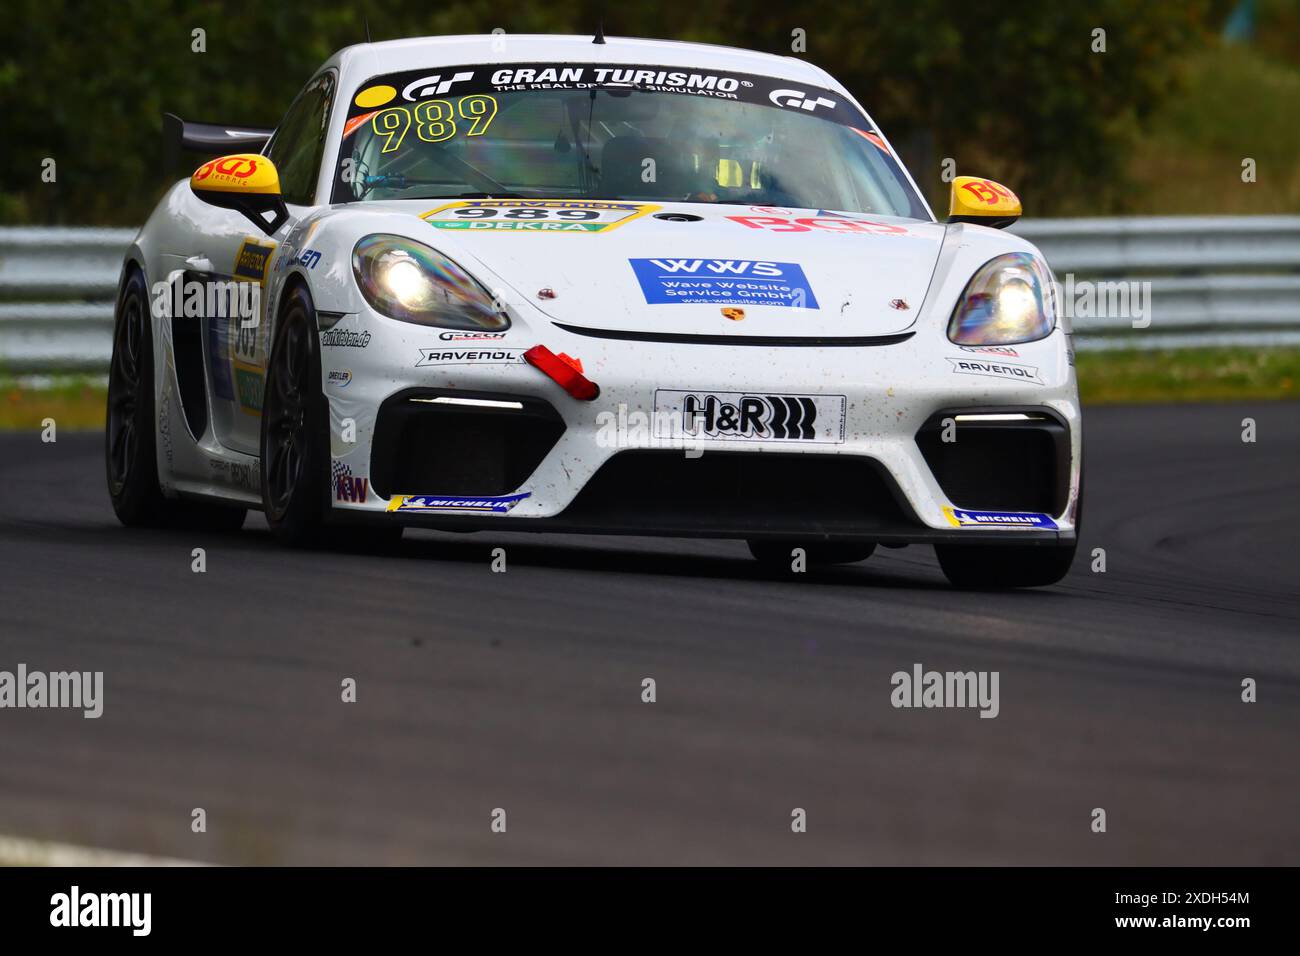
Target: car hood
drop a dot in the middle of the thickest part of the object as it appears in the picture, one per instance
(674, 268)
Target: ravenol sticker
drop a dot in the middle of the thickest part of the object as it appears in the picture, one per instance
(1004, 370)
(252, 260)
(535, 215)
(723, 282)
(454, 356)
(962, 518)
(495, 504)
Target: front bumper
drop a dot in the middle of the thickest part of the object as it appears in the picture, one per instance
(600, 467)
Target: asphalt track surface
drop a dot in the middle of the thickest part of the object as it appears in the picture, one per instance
(522, 690)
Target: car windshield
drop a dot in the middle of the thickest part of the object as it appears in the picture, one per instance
(616, 133)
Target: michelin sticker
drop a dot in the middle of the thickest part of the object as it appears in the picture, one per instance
(495, 504)
(723, 282)
(963, 518)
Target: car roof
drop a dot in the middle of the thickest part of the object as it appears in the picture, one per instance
(361, 62)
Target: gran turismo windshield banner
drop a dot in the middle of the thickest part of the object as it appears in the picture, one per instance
(456, 81)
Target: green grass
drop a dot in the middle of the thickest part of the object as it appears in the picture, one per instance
(1105, 378)
(1188, 375)
(75, 403)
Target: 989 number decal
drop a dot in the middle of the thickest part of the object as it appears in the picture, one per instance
(527, 212)
(535, 215)
(434, 120)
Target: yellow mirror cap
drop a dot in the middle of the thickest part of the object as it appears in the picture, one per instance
(975, 196)
(240, 173)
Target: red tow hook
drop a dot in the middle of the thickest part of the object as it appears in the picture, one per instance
(564, 371)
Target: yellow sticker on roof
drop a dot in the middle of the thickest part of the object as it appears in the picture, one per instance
(536, 215)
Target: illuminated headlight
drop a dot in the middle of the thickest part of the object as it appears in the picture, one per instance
(406, 280)
(1009, 300)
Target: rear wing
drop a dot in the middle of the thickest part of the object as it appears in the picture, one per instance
(212, 139)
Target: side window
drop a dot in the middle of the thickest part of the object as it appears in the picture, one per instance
(299, 141)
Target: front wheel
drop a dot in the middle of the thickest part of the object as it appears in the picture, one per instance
(1004, 566)
(295, 429)
(295, 443)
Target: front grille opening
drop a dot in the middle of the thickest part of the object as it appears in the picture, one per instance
(480, 445)
(742, 491)
(1001, 460)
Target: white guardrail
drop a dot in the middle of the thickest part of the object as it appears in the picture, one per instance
(1213, 280)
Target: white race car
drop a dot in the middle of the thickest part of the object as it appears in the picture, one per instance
(554, 283)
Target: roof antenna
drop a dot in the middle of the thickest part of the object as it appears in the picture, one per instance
(366, 20)
(600, 32)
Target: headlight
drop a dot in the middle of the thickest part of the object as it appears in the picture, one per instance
(406, 280)
(1009, 300)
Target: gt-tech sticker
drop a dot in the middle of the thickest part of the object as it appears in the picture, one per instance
(723, 282)
(493, 504)
(964, 518)
(472, 336)
(1010, 371)
(742, 416)
(536, 215)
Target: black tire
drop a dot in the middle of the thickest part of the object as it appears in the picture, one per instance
(295, 459)
(130, 441)
(777, 554)
(1004, 566)
(295, 443)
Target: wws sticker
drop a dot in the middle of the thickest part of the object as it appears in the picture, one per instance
(535, 215)
(493, 504)
(963, 518)
(723, 282)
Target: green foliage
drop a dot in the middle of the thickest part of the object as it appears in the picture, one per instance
(1010, 91)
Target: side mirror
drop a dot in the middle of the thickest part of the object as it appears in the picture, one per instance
(983, 202)
(246, 183)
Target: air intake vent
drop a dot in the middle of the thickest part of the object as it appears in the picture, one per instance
(446, 442)
(1000, 459)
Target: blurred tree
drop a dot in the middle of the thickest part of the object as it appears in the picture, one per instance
(1011, 91)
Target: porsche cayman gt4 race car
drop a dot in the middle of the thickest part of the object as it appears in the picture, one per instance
(551, 284)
